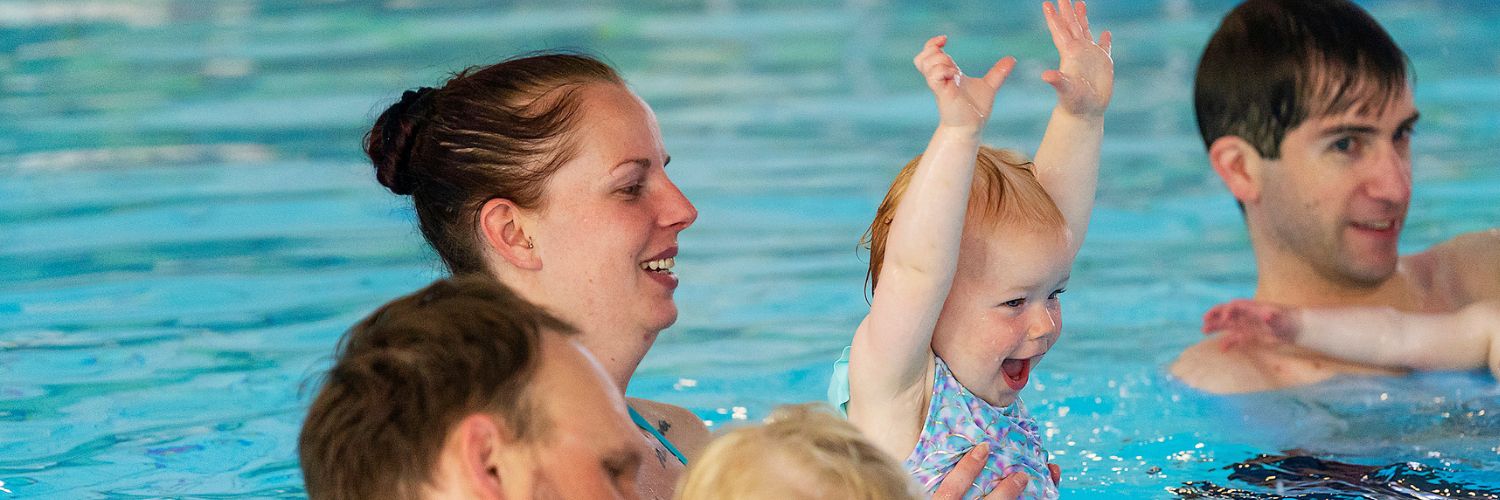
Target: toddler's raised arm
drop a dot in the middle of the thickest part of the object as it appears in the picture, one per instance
(892, 344)
(1067, 162)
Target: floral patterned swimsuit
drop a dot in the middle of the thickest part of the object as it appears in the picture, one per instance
(957, 420)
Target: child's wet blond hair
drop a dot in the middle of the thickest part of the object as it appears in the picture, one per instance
(803, 451)
(1005, 193)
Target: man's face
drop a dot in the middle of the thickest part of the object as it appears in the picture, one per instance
(589, 449)
(1336, 199)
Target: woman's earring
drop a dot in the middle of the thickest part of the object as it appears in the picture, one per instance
(530, 244)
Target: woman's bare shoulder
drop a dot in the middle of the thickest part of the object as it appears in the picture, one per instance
(680, 426)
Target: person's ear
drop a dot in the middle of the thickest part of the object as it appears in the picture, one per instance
(483, 438)
(1240, 166)
(504, 230)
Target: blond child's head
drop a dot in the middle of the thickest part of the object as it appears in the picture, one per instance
(1005, 192)
(802, 452)
(1002, 312)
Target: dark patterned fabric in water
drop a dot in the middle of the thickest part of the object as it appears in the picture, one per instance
(1306, 477)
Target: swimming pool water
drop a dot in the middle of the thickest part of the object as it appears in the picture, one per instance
(187, 226)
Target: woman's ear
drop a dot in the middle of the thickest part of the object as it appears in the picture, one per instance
(504, 230)
(1239, 165)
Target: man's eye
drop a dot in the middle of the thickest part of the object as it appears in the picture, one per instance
(633, 190)
(1014, 302)
(1344, 145)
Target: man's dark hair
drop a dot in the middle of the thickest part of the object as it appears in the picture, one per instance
(1274, 63)
(411, 370)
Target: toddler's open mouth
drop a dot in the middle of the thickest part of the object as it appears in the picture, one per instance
(1017, 372)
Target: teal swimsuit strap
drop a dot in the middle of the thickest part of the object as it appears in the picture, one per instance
(643, 424)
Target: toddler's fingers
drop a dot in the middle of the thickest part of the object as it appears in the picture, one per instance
(1057, 80)
(1083, 18)
(927, 62)
(939, 73)
(1054, 25)
(1233, 340)
(1233, 337)
(932, 46)
(1240, 318)
(1069, 18)
(1213, 321)
(931, 64)
(999, 72)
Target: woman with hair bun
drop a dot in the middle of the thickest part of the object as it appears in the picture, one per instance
(547, 173)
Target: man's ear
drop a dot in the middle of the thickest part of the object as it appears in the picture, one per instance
(504, 230)
(1239, 165)
(482, 440)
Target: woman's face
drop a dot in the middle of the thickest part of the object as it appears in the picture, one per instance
(606, 229)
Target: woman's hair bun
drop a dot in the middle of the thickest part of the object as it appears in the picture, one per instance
(389, 144)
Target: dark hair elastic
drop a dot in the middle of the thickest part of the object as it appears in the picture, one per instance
(410, 114)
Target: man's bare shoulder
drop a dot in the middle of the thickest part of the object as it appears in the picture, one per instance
(1206, 367)
(1260, 367)
(1467, 265)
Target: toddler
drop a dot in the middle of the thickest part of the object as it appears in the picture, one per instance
(968, 254)
(802, 451)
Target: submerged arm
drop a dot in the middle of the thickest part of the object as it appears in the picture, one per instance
(1466, 339)
(1461, 340)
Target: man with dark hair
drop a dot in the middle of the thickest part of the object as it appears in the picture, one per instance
(1306, 108)
(464, 390)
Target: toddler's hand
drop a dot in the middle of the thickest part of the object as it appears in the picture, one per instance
(1244, 321)
(1085, 78)
(962, 101)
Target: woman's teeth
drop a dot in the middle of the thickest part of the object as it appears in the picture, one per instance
(1374, 225)
(659, 265)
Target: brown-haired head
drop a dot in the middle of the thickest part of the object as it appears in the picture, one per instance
(1273, 64)
(1005, 193)
(408, 373)
(496, 131)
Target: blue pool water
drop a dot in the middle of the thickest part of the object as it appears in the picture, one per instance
(187, 226)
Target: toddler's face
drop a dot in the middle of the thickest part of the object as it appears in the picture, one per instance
(1003, 312)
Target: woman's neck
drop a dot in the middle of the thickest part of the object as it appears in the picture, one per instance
(615, 353)
(618, 352)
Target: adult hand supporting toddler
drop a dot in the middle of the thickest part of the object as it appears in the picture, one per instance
(962, 477)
